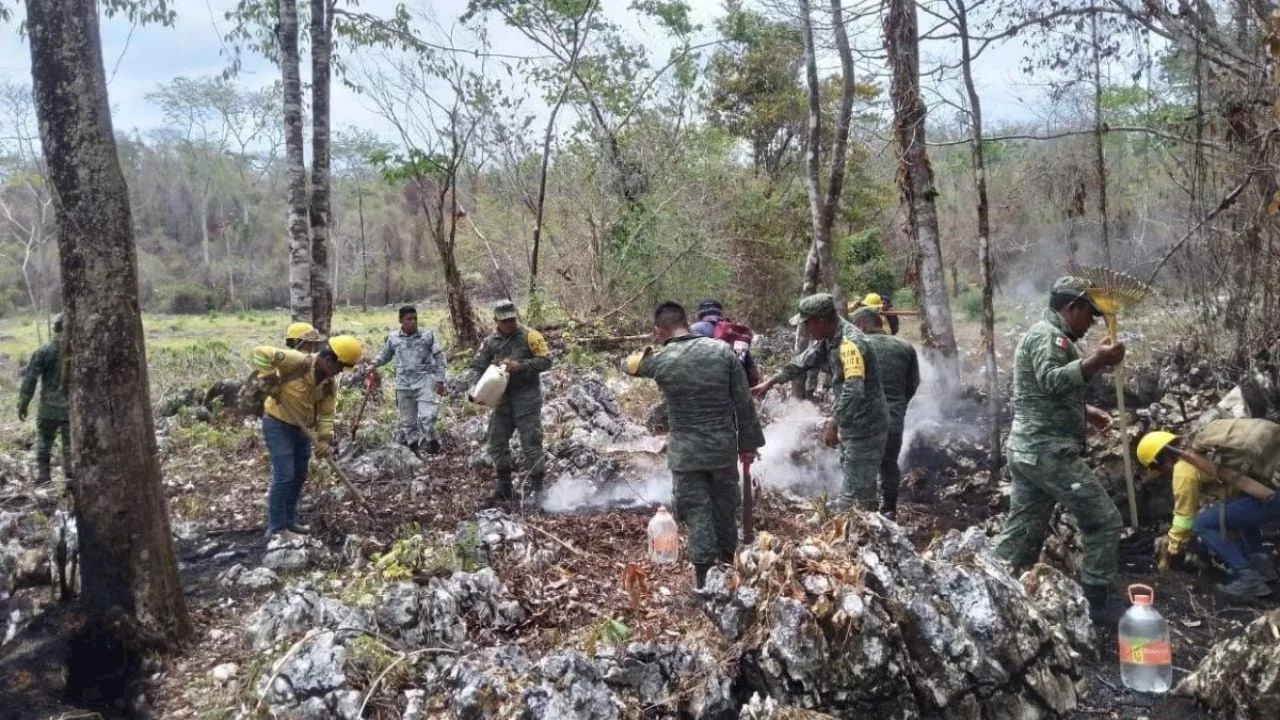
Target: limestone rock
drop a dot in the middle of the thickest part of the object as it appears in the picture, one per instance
(866, 627)
(294, 554)
(389, 463)
(1240, 677)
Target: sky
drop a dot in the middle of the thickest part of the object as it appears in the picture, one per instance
(138, 59)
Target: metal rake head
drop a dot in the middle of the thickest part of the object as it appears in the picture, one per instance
(1112, 290)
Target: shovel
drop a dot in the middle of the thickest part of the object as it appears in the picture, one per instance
(748, 505)
(342, 476)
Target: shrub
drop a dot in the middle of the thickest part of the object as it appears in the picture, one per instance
(189, 300)
(971, 305)
(905, 299)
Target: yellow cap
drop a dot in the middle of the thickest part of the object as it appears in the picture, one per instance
(1151, 444)
(347, 348)
(297, 330)
(873, 300)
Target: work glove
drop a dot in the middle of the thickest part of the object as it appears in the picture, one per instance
(1164, 553)
(22, 412)
(324, 447)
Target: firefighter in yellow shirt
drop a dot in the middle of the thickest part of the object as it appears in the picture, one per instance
(1224, 481)
(301, 396)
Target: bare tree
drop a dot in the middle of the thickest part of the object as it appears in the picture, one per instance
(129, 568)
(436, 129)
(915, 182)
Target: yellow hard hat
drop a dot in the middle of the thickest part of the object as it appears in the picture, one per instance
(347, 348)
(297, 330)
(873, 300)
(1151, 444)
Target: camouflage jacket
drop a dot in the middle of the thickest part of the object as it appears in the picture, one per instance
(525, 345)
(1048, 390)
(708, 403)
(45, 368)
(899, 372)
(419, 359)
(855, 372)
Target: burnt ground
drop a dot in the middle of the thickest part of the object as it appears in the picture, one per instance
(222, 491)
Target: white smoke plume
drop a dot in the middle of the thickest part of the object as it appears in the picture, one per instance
(793, 458)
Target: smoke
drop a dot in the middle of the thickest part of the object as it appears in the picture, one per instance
(643, 480)
(793, 458)
(939, 414)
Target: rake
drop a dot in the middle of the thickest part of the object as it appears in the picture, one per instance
(1113, 291)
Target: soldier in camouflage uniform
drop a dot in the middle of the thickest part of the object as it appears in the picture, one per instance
(1047, 443)
(900, 378)
(524, 353)
(420, 373)
(713, 425)
(46, 368)
(862, 420)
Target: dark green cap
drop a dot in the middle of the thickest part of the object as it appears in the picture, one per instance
(865, 313)
(504, 310)
(814, 306)
(1074, 288)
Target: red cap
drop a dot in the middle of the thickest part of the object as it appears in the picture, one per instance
(1140, 594)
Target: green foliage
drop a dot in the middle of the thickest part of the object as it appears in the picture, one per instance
(367, 658)
(608, 631)
(864, 267)
(970, 302)
(905, 299)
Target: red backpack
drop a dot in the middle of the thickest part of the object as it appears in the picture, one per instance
(733, 333)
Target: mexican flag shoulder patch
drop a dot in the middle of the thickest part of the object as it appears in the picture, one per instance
(1062, 343)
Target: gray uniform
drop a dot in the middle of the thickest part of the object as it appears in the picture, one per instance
(420, 364)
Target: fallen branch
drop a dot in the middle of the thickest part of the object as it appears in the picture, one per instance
(564, 544)
(391, 666)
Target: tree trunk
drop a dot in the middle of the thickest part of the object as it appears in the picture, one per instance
(821, 206)
(128, 562)
(809, 284)
(364, 252)
(915, 181)
(460, 314)
(984, 240)
(299, 235)
(1099, 157)
(204, 233)
(321, 52)
(386, 265)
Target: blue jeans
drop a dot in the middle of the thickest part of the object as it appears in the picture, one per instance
(1244, 514)
(290, 451)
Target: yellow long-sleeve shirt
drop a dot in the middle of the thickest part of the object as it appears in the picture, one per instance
(1191, 490)
(303, 402)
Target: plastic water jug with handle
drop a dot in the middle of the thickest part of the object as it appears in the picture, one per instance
(1146, 658)
(491, 385)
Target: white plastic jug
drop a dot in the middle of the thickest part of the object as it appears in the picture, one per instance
(1146, 659)
(491, 385)
(664, 538)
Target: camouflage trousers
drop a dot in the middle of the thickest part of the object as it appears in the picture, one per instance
(1043, 480)
(890, 473)
(418, 410)
(521, 414)
(860, 459)
(707, 501)
(47, 432)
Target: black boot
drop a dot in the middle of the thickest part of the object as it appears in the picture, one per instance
(1102, 609)
(889, 506)
(700, 575)
(503, 494)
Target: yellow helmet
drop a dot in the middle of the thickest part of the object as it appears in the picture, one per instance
(873, 300)
(1151, 444)
(347, 348)
(297, 330)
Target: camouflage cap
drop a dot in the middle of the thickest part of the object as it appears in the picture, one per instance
(866, 312)
(1075, 288)
(814, 306)
(505, 310)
